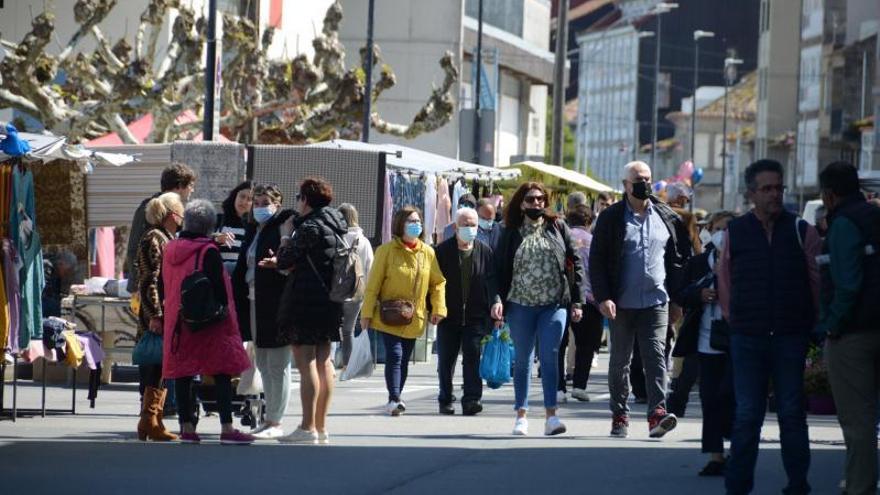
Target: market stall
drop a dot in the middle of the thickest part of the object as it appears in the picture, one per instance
(561, 181)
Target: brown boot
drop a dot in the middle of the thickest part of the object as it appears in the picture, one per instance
(163, 393)
(150, 425)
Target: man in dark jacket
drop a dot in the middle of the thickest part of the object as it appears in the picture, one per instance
(637, 258)
(765, 276)
(850, 269)
(471, 300)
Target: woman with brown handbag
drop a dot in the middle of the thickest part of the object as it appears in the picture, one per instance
(404, 272)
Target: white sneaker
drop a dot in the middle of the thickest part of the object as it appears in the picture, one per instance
(521, 427)
(268, 432)
(323, 437)
(553, 426)
(300, 436)
(561, 397)
(394, 408)
(595, 363)
(580, 394)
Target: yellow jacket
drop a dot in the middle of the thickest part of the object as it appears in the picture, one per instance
(392, 276)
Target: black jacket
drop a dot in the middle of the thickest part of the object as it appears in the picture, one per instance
(698, 276)
(305, 302)
(483, 288)
(570, 266)
(606, 250)
(268, 284)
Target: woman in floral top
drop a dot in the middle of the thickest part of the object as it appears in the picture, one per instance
(540, 276)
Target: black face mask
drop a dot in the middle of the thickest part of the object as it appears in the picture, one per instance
(534, 213)
(640, 190)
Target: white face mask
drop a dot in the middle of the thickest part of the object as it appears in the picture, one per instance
(718, 239)
(705, 237)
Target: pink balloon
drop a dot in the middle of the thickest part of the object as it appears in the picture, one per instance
(686, 170)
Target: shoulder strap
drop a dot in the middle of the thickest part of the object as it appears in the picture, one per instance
(800, 227)
(200, 254)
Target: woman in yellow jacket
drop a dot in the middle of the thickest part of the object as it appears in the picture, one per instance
(404, 272)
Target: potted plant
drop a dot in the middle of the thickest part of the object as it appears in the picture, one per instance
(817, 388)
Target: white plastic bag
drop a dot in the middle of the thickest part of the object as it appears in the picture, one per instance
(251, 382)
(360, 364)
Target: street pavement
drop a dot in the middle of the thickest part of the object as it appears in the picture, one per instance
(420, 452)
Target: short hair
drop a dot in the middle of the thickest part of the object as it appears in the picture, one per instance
(316, 192)
(574, 199)
(465, 211)
(484, 202)
(270, 190)
(160, 207)
(629, 167)
(841, 178)
(764, 165)
(398, 224)
(200, 217)
(467, 197)
(349, 213)
(579, 216)
(604, 196)
(677, 190)
(177, 176)
(67, 257)
(721, 215)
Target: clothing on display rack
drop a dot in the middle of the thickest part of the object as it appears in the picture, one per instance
(444, 207)
(458, 190)
(408, 190)
(105, 249)
(11, 267)
(387, 210)
(430, 207)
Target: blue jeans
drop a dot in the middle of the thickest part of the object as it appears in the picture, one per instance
(755, 360)
(397, 353)
(546, 323)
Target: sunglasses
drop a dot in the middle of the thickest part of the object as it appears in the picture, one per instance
(534, 199)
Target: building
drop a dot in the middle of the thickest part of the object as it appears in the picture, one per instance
(518, 66)
(607, 90)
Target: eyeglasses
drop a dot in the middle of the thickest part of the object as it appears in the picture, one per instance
(534, 199)
(772, 188)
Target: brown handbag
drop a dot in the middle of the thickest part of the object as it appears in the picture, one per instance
(400, 312)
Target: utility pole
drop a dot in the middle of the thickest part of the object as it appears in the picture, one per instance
(368, 90)
(210, 73)
(661, 9)
(559, 82)
(729, 75)
(478, 137)
(698, 35)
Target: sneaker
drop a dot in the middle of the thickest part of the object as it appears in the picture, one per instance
(402, 405)
(553, 426)
(300, 436)
(661, 422)
(394, 408)
(521, 427)
(189, 438)
(471, 408)
(595, 363)
(561, 397)
(323, 437)
(268, 433)
(236, 437)
(446, 409)
(620, 427)
(580, 394)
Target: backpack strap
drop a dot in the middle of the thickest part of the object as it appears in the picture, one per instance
(800, 227)
(200, 255)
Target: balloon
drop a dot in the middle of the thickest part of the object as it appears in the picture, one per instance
(659, 186)
(698, 176)
(686, 170)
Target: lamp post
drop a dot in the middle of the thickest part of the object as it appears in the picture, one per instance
(698, 35)
(659, 10)
(368, 69)
(729, 75)
(477, 83)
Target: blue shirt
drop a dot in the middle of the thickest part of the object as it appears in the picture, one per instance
(643, 268)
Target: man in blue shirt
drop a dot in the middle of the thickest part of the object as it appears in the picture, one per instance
(488, 231)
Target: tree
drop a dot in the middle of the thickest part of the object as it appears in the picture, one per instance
(568, 141)
(295, 101)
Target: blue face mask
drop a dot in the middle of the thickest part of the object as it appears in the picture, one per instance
(413, 229)
(487, 224)
(467, 234)
(263, 213)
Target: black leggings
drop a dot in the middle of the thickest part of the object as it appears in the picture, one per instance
(150, 375)
(186, 403)
(587, 339)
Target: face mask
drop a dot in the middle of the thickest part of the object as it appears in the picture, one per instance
(718, 239)
(467, 234)
(534, 213)
(413, 229)
(705, 237)
(640, 190)
(264, 213)
(487, 224)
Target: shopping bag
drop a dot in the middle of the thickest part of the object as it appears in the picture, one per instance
(251, 382)
(148, 350)
(496, 358)
(360, 364)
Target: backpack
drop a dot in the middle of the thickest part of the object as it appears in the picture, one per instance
(347, 282)
(198, 306)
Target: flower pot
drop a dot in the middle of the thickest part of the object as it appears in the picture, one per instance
(821, 405)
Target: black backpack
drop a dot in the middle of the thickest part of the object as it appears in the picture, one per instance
(198, 306)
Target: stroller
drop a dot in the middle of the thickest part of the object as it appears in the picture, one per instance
(250, 408)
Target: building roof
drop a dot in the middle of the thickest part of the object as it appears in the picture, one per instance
(742, 100)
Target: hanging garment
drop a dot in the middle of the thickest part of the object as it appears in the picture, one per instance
(475, 188)
(430, 207)
(106, 253)
(22, 217)
(387, 210)
(444, 207)
(4, 316)
(11, 268)
(74, 352)
(458, 191)
(5, 170)
(26, 239)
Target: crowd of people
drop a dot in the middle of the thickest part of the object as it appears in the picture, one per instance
(737, 298)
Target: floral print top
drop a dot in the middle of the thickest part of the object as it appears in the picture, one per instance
(536, 277)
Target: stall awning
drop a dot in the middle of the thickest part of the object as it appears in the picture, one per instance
(46, 147)
(568, 176)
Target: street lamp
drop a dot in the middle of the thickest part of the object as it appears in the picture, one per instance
(729, 75)
(698, 35)
(659, 10)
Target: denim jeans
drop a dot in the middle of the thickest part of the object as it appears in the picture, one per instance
(451, 338)
(397, 353)
(755, 361)
(528, 323)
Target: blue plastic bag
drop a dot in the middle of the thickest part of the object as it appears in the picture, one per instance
(496, 359)
(148, 349)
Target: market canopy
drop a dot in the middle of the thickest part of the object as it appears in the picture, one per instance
(404, 157)
(46, 147)
(568, 176)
